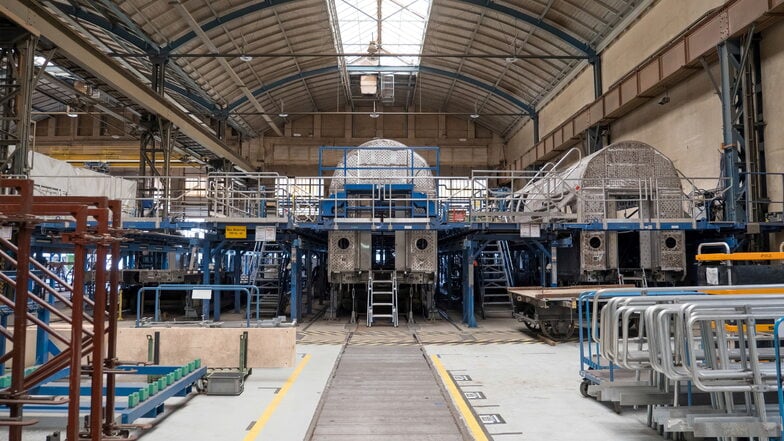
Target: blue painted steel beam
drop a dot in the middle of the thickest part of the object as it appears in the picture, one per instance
(517, 14)
(282, 82)
(143, 43)
(224, 19)
(294, 301)
(102, 22)
(469, 317)
(152, 403)
(525, 107)
(536, 22)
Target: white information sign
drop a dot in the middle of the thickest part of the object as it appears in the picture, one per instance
(201, 294)
(265, 234)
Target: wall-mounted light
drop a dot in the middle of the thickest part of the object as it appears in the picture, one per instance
(70, 112)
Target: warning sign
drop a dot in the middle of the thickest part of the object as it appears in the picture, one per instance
(236, 232)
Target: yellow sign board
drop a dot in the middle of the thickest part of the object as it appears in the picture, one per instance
(236, 232)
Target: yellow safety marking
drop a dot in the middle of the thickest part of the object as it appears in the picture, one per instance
(717, 257)
(457, 397)
(262, 421)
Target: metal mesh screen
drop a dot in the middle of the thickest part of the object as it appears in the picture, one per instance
(396, 165)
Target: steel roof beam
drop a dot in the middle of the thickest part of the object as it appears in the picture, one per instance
(525, 107)
(536, 22)
(186, 15)
(356, 54)
(139, 39)
(39, 21)
(489, 4)
(224, 19)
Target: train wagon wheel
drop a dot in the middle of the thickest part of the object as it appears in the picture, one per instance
(559, 330)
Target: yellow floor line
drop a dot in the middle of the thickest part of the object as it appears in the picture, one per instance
(262, 421)
(459, 400)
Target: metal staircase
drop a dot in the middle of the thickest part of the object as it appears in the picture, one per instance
(495, 278)
(382, 296)
(267, 271)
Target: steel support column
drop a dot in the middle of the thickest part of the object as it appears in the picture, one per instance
(158, 138)
(309, 288)
(730, 67)
(17, 52)
(753, 129)
(296, 296)
(114, 306)
(535, 121)
(468, 284)
(206, 257)
(17, 389)
(596, 62)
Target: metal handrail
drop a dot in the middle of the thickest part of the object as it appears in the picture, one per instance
(247, 289)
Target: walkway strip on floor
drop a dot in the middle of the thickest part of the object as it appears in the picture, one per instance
(382, 393)
(459, 400)
(262, 421)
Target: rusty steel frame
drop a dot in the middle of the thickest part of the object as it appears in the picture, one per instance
(105, 237)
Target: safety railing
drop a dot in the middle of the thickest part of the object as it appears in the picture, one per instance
(249, 291)
(529, 197)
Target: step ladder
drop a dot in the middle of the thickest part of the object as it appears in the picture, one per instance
(382, 296)
(640, 279)
(267, 276)
(495, 278)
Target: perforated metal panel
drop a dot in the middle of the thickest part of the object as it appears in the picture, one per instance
(415, 251)
(672, 250)
(598, 250)
(349, 251)
(392, 166)
(616, 175)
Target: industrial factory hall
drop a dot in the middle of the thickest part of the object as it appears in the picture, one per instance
(415, 220)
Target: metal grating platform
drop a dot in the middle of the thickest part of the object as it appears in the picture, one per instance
(382, 393)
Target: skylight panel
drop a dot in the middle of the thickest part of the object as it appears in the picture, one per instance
(397, 27)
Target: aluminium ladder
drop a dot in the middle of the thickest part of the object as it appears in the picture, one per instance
(495, 278)
(267, 277)
(382, 296)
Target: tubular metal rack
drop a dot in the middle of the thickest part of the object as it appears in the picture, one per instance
(704, 365)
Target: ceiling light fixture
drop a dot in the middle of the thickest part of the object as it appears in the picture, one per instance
(282, 114)
(243, 53)
(510, 60)
(374, 114)
(474, 115)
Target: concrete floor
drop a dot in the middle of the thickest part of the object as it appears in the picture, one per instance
(520, 388)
